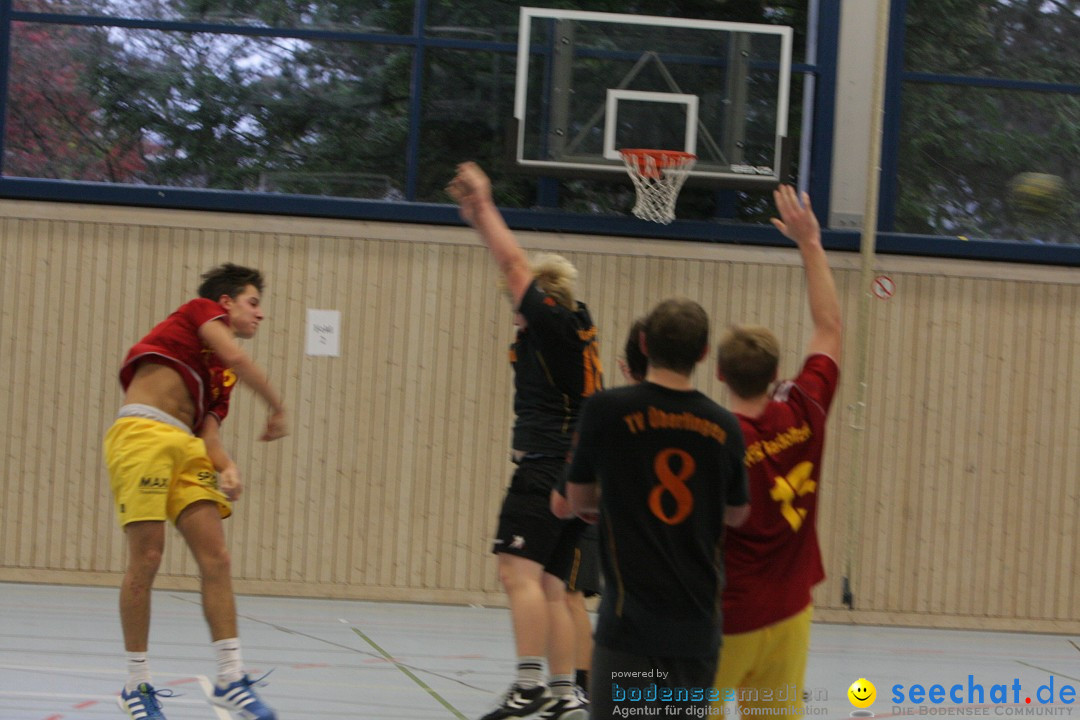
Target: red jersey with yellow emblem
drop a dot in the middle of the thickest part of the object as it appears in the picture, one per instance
(773, 560)
(175, 342)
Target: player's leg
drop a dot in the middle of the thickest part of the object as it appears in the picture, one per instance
(146, 543)
(202, 529)
(137, 453)
(583, 582)
(775, 683)
(525, 538)
(198, 507)
(521, 580)
(565, 704)
(739, 654)
(583, 646)
(200, 524)
(561, 568)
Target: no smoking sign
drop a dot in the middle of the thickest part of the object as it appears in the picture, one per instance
(883, 287)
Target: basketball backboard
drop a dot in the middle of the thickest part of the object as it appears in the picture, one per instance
(590, 83)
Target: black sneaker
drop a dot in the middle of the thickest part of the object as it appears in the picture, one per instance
(519, 702)
(569, 707)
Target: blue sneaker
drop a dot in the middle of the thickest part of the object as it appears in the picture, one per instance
(240, 698)
(143, 704)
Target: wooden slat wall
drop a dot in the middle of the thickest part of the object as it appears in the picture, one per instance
(956, 503)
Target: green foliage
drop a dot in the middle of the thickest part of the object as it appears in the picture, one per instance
(332, 117)
(960, 146)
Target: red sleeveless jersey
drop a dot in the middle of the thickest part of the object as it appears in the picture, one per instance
(773, 560)
(175, 342)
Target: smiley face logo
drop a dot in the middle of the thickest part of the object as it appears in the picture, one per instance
(862, 693)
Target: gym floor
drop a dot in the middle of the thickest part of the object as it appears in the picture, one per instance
(61, 658)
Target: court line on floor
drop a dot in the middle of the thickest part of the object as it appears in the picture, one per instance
(1052, 672)
(88, 699)
(350, 648)
(410, 674)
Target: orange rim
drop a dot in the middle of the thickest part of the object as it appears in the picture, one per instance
(662, 159)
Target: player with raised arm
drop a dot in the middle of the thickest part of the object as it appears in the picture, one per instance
(166, 461)
(556, 366)
(773, 561)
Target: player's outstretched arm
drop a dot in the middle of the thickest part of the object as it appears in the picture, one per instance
(798, 222)
(471, 189)
(220, 339)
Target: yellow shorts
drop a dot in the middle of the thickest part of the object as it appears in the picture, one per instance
(766, 668)
(156, 470)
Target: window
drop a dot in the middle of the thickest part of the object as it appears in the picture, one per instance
(988, 91)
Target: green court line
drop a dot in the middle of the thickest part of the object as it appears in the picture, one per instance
(409, 673)
(1052, 672)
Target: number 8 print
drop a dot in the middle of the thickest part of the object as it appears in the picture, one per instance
(673, 483)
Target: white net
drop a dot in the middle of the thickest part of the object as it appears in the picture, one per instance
(658, 176)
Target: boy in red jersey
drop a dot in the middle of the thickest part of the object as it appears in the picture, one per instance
(773, 560)
(166, 462)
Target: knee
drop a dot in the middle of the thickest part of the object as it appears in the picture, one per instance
(215, 563)
(554, 588)
(509, 579)
(143, 563)
(514, 580)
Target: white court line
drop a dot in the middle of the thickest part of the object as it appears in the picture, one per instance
(54, 695)
(97, 670)
(15, 694)
(204, 683)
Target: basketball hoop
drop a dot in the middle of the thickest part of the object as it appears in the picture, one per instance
(658, 176)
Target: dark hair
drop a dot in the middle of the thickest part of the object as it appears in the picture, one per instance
(229, 279)
(636, 362)
(676, 334)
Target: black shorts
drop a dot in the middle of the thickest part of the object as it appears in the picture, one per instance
(627, 681)
(527, 527)
(576, 558)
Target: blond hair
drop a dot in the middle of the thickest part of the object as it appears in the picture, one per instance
(748, 357)
(555, 275)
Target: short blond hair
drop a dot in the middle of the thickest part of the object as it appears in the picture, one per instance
(748, 357)
(556, 276)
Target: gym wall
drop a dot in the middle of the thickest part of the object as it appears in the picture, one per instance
(956, 503)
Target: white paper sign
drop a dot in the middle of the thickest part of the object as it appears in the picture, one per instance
(323, 332)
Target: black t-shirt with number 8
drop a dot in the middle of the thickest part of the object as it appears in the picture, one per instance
(668, 463)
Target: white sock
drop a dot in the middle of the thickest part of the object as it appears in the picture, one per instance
(138, 670)
(561, 685)
(530, 671)
(230, 667)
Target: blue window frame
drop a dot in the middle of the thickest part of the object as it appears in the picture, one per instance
(449, 85)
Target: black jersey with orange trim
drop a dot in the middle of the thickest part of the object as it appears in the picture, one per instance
(556, 366)
(668, 463)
